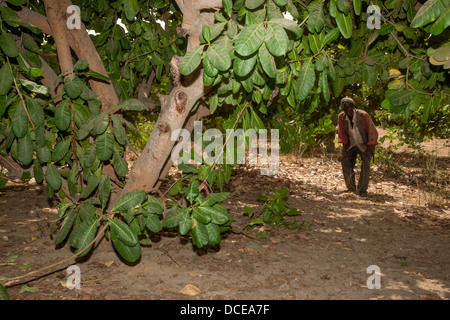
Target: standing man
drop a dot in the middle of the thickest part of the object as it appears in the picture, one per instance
(358, 135)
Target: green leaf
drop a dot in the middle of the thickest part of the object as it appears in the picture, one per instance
(173, 219)
(276, 39)
(53, 177)
(209, 69)
(218, 57)
(316, 20)
(199, 234)
(305, 81)
(96, 75)
(6, 79)
(80, 65)
(85, 236)
(8, 45)
(85, 129)
(206, 33)
(118, 130)
(131, 9)
(213, 231)
(202, 214)
(153, 223)
(401, 97)
(100, 123)
(123, 232)
(430, 11)
(19, 122)
(213, 198)
(38, 173)
(227, 7)
(131, 254)
(112, 49)
(315, 43)
(65, 227)
(256, 121)
(104, 145)
(216, 29)
(92, 183)
(191, 60)
(89, 156)
(250, 39)
(253, 4)
(357, 6)
(243, 65)
(25, 150)
(3, 102)
(3, 293)
(26, 288)
(185, 221)
(131, 105)
(87, 211)
(34, 87)
(330, 36)
(345, 24)
(218, 213)
(193, 190)
(73, 87)
(129, 200)
(60, 150)
(62, 115)
(323, 85)
(104, 190)
(267, 61)
(120, 165)
(441, 23)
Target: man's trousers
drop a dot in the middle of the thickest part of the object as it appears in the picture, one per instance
(348, 166)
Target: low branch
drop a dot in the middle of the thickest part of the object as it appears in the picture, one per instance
(58, 26)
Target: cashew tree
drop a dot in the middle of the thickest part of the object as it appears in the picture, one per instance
(72, 70)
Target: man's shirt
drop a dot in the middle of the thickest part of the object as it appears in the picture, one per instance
(362, 125)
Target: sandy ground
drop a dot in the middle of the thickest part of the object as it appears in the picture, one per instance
(402, 228)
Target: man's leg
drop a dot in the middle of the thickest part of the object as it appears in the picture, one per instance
(348, 166)
(364, 176)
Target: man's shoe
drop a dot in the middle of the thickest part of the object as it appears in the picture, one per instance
(364, 194)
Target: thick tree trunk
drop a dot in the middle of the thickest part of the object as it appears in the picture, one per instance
(154, 161)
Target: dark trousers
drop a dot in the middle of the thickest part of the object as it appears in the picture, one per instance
(348, 166)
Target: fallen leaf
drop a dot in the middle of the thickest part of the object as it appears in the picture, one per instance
(110, 263)
(190, 290)
(26, 288)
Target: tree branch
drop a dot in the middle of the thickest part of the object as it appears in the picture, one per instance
(58, 25)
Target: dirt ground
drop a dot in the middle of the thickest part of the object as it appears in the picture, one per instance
(403, 227)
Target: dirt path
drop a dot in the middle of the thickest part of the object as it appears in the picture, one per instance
(328, 259)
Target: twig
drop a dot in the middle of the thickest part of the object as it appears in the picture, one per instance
(21, 98)
(202, 185)
(95, 280)
(15, 279)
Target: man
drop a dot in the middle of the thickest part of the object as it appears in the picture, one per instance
(358, 135)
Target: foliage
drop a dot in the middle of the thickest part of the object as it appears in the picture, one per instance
(274, 210)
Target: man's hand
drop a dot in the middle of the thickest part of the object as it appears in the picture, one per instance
(344, 154)
(370, 151)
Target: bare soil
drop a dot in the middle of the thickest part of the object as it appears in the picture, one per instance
(402, 227)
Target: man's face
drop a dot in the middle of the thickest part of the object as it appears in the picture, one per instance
(348, 109)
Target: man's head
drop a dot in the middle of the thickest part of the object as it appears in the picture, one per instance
(348, 105)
